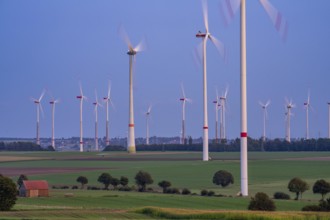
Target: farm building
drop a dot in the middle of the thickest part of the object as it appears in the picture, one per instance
(34, 188)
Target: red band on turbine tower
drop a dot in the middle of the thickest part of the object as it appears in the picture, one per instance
(131, 125)
(205, 127)
(243, 134)
(81, 142)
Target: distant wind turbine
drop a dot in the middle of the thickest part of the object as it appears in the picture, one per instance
(96, 104)
(205, 36)
(147, 124)
(81, 97)
(282, 27)
(131, 52)
(39, 108)
(184, 99)
(53, 102)
(107, 100)
(289, 106)
(264, 109)
(307, 106)
(217, 105)
(223, 103)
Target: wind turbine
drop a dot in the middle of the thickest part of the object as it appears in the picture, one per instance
(147, 123)
(217, 105)
(132, 51)
(53, 102)
(39, 108)
(205, 36)
(223, 101)
(184, 99)
(307, 106)
(282, 27)
(96, 104)
(264, 109)
(289, 106)
(81, 98)
(107, 100)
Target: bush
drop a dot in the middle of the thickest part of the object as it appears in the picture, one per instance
(164, 184)
(123, 180)
(74, 187)
(172, 191)
(185, 191)
(311, 208)
(93, 188)
(64, 187)
(223, 178)
(124, 188)
(8, 192)
(262, 202)
(204, 192)
(281, 195)
(105, 178)
(211, 193)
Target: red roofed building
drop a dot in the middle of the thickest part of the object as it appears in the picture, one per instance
(34, 188)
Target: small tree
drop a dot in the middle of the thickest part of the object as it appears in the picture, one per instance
(223, 178)
(262, 202)
(8, 192)
(82, 180)
(164, 184)
(123, 181)
(142, 179)
(105, 178)
(297, 186)
(322, 187)
(114, 182)
(20, 180)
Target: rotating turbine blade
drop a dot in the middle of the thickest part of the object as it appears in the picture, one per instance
(141, 46)
(41, 109)
(183, 93)
(205, 15)
(42, 95)
(109, 91)
(226, 92)
(122, 32)
(277, 19)
(228, 9)
(149, 109)
(80, 88)
(267, 103)
(220, 47)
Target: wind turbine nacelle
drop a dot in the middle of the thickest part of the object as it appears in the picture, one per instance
(305, 103)
(79, 97)
(37, 102)
(215, 102)
(105, 98)
(199, 34)
(52, 102)
(182, 99)
(131, 52)
(94, 103)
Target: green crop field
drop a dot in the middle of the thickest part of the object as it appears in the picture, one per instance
(269, 172)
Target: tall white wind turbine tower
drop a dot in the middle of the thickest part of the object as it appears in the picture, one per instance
(81, 98)
(107, 100)
(264, 110)
(147, 124)
(217, 105)
(205, 36)
(329, 120)
(282, 27)
(132, 51)
(96, 105)
(289, 106)
(307, 106)
(39, 108)
(223, 103)
(184, 99)
(53, 102)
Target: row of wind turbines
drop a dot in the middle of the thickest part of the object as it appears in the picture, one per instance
(231, 6)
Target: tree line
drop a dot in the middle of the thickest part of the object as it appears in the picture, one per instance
(21, 146)
(321, 144)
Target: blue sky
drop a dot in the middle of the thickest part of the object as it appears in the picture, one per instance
(54, 44)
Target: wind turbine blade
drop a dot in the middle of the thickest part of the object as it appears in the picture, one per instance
(109, 90)
(276, 17)
(228, 10)
(96, 99)
(189, 100)
(205, 15)
(266, 113)
(81, 91)
(267, 103)
(122, 32)
(141, 46)
(220, 47)
(41, 109)
(217, 93)
(226, 92)
(183, 93)
(42, 95)
(308, 98)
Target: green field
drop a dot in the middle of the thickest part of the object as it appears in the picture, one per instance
(269, 172)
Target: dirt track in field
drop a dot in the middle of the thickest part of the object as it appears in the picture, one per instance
(15, 171)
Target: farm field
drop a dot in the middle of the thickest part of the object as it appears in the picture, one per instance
(269, 172)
